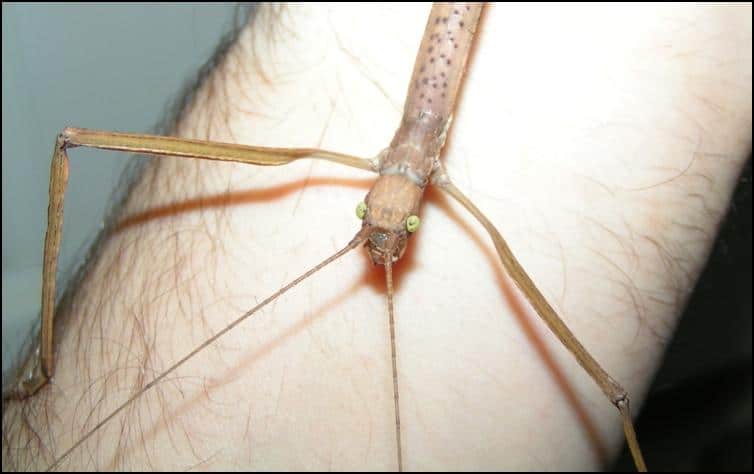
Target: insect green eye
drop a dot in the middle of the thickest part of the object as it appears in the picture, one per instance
(361, 210)
(412, 223)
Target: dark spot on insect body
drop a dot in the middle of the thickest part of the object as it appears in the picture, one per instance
(455, 12)
(455, 46)
(425, 80)
(442, 74)
(434, 86)
(445, 20)
(422, 69)
(431, 60)
(460, 23)
(442, 95)
(429, 100)
(445, 84)
(442, 55)
(421, 96)
(448, 62)
(437, 20)
(431, 48)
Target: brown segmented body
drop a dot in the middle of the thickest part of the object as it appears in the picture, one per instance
(406, 166)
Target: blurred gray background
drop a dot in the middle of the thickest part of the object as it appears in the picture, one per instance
(113, 67)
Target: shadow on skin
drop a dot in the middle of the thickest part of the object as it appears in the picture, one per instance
(373, 279)
(235, 198)
(519, 309)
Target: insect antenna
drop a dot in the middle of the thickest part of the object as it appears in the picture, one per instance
(355, 242)
(391, 316)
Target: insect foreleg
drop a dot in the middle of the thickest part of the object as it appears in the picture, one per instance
(612, 389)
(40, 365)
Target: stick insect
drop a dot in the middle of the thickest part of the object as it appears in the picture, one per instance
(95, 137)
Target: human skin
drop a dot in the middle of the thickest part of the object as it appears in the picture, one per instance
(603, 141)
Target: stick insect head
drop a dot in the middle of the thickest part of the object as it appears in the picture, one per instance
(390, 216)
